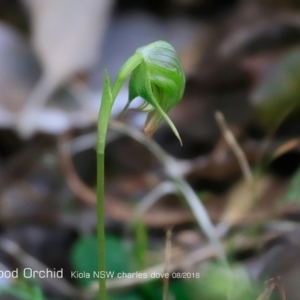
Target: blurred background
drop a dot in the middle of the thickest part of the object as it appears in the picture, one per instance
(241, 59)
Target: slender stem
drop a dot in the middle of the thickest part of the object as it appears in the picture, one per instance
(108, 99)
(126, 69)
(104, 116)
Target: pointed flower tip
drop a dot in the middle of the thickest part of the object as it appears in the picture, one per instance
(153, 121)
(149, 133)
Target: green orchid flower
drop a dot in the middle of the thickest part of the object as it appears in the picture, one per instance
(157, 76)
(159, 79)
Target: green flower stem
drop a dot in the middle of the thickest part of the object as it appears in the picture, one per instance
(104, 116)
(108, 100)
(157, 76)
(125, 71)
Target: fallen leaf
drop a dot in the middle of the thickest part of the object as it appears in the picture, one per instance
(66, 35)
(241, 198)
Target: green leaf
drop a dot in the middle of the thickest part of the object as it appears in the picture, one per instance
(84, 257)
(279, 91)
(23, 291)
(219, 282)
(159, 79)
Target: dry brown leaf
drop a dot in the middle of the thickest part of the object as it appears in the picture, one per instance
(286, 147)
(18, 73)
(66, 36)
(267, 293)
(241, 198)
(272, 284)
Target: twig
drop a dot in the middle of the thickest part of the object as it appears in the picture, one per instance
(230, 139)
(67, 147)
(175, 170)
(74, 182)
(272, 284)
(280, 288)
(152, 197)
(189, 259)
(267, 293)
(223, 227)
(184, 261)
(286, 147)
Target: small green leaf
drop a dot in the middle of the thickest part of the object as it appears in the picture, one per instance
(84, 257)
(159, 79)
(219, 282)
(21, 290)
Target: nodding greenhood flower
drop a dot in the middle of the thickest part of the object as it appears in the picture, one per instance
(159, 79)
(156, 75)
